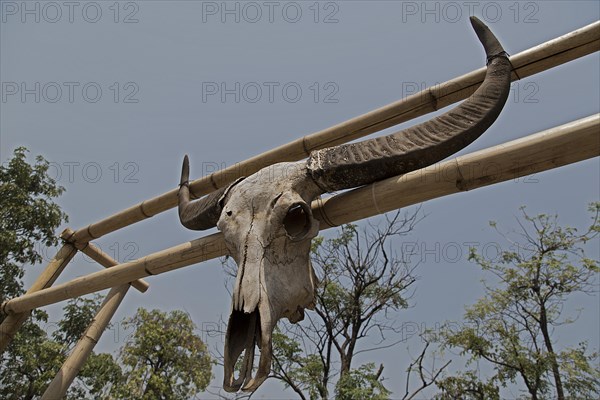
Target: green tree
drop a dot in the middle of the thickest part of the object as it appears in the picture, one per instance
(28, 217)
(512, 327)
(34, 357)
(466, 386)
(29, 363)
(163, 358)
(362, 383)
(363, 283)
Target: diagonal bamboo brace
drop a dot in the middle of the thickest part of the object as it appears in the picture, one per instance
(100, 257)
(73, 364)
(562, 145)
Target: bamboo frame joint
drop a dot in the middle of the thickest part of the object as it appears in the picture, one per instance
(68, 237)
(95, 253)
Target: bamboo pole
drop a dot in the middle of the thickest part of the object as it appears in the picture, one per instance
(13, 322)
(571, 46)
(102, 258)
(552, 148)
(198, 250)
(73, 364)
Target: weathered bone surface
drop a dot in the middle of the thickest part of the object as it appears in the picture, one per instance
(268, 225)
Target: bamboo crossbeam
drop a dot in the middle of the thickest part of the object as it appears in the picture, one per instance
(73, 364)
(13, 322)
(552, 148)
(101, 258)
(547, 55)
(198, 250)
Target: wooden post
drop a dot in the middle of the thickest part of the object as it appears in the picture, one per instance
(13, 322)
(73, 364)
(555, 147)
(534, 60)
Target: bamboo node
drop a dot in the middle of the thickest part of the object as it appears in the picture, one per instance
(433, 99)
(147, 270)
(461, 182)
(213, 183)
(306, 150)
(322, 212)
(89, 232)
(144, 213)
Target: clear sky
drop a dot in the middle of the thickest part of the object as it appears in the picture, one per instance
(114, 94)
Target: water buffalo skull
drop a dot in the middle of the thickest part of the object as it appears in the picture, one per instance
(268, 225)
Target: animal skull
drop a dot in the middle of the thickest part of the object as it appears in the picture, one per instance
(268, 225)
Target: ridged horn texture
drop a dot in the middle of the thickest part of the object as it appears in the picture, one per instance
(356, 164)
(200, 214)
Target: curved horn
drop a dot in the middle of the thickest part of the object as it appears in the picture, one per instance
(203, 213)
(356, 164)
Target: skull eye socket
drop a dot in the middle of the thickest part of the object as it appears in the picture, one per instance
(297, 222)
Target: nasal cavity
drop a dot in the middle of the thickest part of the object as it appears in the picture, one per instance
(297, 221)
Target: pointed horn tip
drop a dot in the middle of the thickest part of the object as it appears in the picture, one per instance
(475, 20)
(486, 37)
(185, 170)
(254, 383)
(478, 25)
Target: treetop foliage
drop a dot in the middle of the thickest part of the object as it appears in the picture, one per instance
(28, 217)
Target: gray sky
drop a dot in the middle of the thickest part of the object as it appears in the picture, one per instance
(114, 104)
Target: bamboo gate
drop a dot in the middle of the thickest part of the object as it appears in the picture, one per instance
(569, 143)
